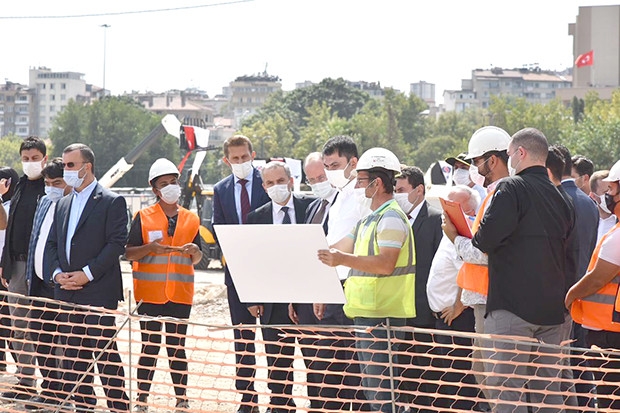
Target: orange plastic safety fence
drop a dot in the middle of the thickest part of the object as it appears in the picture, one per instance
(101, 360)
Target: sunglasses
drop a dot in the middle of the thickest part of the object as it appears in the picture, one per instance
(72, 164)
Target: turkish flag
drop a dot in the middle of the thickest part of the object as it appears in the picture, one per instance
(586, 59)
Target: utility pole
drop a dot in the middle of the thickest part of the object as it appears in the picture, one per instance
(105, 31)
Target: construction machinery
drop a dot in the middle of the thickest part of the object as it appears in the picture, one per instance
(193, 140)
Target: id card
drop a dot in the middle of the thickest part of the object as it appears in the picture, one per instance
(155, 235)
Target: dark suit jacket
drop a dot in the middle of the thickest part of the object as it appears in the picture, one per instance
(278, 313)
(225, 210)
(427, 235)
(585, 228)
(313, 208)
(98, 242)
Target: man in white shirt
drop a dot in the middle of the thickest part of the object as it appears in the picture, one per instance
(444, 298)
(41, 318)
(606, 218)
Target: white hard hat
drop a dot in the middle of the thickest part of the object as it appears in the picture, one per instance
(162, 167)
(487, 139)
(378, 158)
(614, 173)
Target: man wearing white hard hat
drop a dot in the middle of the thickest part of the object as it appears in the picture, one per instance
(594, 303)
(380, 287)
(164, 245)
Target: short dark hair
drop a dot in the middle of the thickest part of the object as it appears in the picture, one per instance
(87, 154)
(534, 141)
(237, 140)
(33, 142)
(53, 169)
(341, 144)
(568, 164)
(583, 165)
(555, 162)
(413, 175)
(9, 173)
(387, 177)
(502, 155)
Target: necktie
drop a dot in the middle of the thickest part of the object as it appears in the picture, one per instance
(318, 217)
(287, 218)
(245, 200)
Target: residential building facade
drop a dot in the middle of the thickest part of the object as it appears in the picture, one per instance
(16, 110)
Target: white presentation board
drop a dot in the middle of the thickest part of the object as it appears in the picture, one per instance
(279, 264)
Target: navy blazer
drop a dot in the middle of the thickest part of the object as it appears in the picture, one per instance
(98, 242)
(278, 313)
(225, 210)
(427, 234)
(313, 208)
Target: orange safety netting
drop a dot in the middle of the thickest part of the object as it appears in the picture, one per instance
(307, 368)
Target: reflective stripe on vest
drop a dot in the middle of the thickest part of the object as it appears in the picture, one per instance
(474, 277)
(378, 296)
(159, 278)
(596, 310)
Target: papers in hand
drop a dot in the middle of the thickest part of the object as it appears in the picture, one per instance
(454, 211)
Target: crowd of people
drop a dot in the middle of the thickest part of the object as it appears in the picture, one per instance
(541, 262)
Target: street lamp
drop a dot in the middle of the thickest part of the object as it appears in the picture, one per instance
(105, 31)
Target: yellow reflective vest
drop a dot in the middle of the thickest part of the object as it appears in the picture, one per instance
(379, 296)
(160, 278)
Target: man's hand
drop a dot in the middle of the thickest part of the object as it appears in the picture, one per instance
(568, 300)
(5, 283)
(256, 310)
(190, 248)
(157, 248)
(292, 314)
(448, 228)
(331, 257)
(319, 310)
(72, 280)
(449, 314)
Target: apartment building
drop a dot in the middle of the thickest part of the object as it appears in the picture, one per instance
(248, 93)
(16, 110)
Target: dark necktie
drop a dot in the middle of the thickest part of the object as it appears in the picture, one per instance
(287, 218)
(318, 217)
(245, 200)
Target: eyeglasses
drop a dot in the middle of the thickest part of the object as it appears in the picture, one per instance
(318, 180)
(72, 164)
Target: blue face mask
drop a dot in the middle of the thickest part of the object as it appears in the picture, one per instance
(54, 194)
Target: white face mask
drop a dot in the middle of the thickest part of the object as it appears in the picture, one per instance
(475, 176)
(72, 178)
(337, 177)
(54, 194)
(512, 170)
(323, 190)
(170, 193)
(279, 193)
(32, 169)
(241, 170)
(403, 202)
(360, 196)
(461, 177)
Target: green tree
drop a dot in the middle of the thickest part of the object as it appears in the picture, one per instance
(112, 127)
(9, 152)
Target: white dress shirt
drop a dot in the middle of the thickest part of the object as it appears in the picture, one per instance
(44, 232)
(441, 287)
(237, 188)
(278, 215)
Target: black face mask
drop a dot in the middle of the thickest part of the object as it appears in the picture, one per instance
(610, 203)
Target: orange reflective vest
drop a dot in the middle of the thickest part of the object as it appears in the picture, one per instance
(474, 277)
(159, 278)
(596, 310)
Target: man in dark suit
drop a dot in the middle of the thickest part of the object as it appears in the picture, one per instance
(87, 237)
(284, 208)
(426, 223)
(584, 241)
(233, 198)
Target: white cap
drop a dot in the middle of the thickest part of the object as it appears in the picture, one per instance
(614, 173)
(162, 167)
(378, 158)
(487, 139)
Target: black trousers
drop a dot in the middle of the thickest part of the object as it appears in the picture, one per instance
(84, 335)
(244, 347)
(334, 378)
(176, 333)
(43, 323)
(605, 340)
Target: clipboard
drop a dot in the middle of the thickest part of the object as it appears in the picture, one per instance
(454, 211)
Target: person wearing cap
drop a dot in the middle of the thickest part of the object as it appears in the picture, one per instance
(525, 233)
(380, 288)
(164, 244)
(460, 173)
(595, 304)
